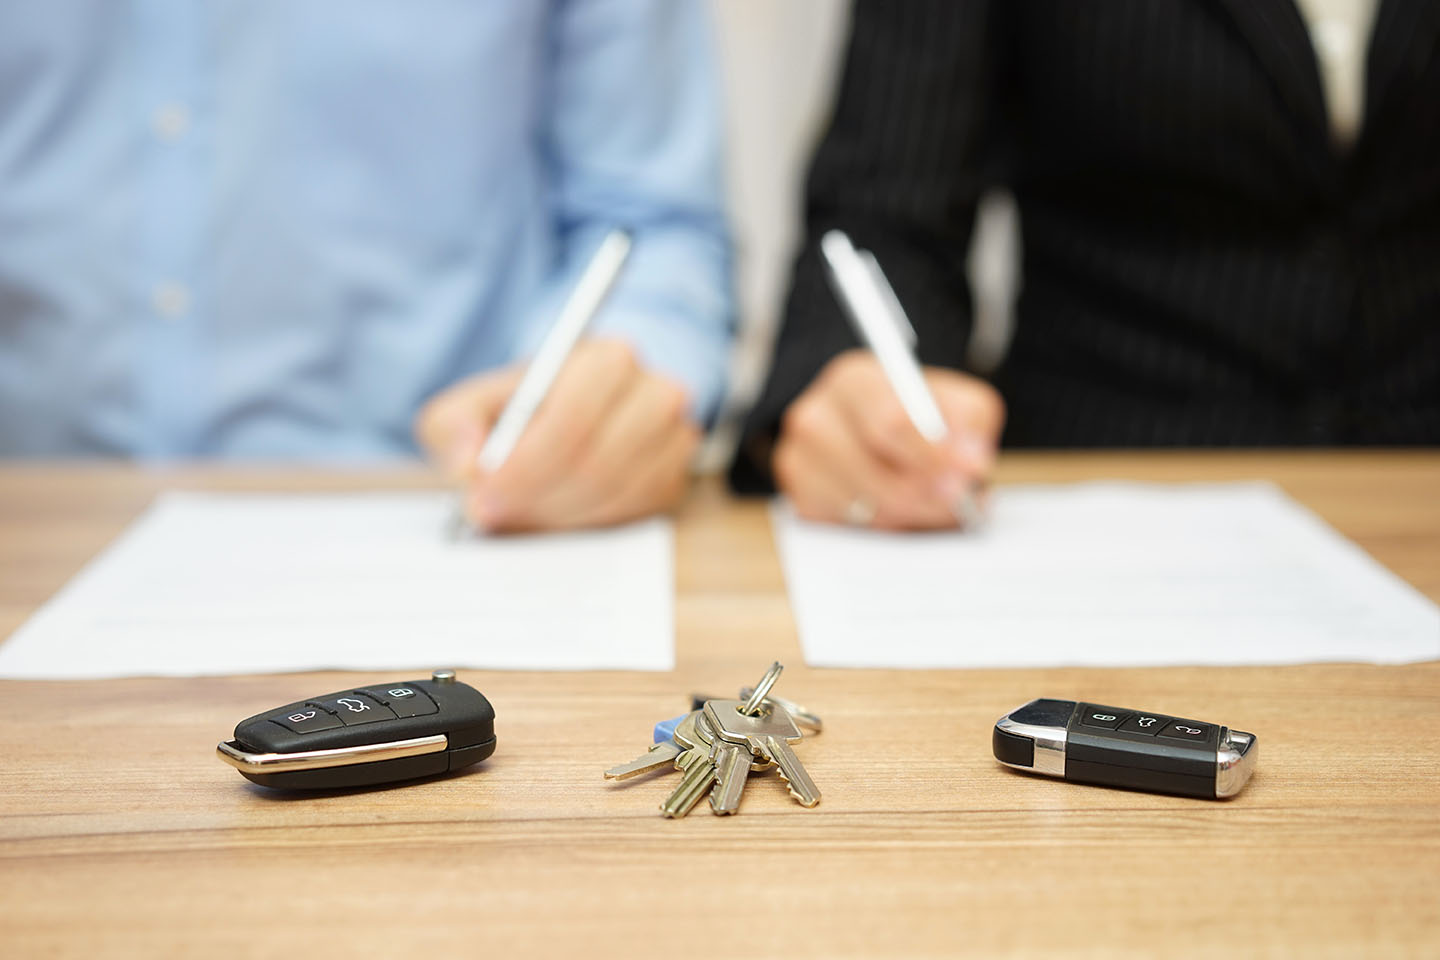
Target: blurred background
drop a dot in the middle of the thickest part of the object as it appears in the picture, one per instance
(781, 64)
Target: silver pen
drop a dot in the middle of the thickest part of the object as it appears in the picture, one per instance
(579, 309)
(881, 324)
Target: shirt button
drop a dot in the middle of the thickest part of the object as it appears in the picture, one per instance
(170, 121)
(171, 300)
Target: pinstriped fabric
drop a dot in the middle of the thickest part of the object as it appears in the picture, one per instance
(902, 182)
(1201, 266)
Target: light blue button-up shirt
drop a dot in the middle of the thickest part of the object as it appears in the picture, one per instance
(273, 228)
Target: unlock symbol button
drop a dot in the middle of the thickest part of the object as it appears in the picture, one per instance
(304, 718)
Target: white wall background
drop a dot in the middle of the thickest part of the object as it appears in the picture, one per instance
(781, 62)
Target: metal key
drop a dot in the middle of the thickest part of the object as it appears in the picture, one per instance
(701, 730)
(733, 763)
(685, 735)
(662, 754)
(699, 770)
(699, 777)
(769, 734)
(802, 716)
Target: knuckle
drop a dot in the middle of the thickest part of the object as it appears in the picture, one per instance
(618, 353)
(803, 417)
(855, 368)
(671, 400)
(430, 421)
(848, 362)
(594, 469)
(569, 440)
(839, 371)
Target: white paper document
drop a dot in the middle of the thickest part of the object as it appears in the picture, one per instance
(261, 583)
(1103, 574)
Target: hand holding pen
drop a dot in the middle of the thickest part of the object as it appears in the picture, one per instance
(877, 440)
(581, 435)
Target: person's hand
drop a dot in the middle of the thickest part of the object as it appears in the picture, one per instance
(848, 453)
(610, 442)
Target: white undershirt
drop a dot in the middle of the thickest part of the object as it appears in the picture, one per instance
(1340, 32)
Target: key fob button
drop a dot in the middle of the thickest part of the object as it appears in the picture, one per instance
(1187, 730)
(305, 718)
(355, 708)
(1147, 723)
(403, 699)
(1102, 717)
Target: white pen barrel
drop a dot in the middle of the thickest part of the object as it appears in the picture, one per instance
(872, 312)
(909, 385)
(594, 284)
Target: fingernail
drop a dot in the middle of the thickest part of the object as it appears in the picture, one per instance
(487, 510)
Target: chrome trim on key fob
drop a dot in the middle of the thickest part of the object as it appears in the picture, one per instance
(1234, 761)
(1044, 722)
(247, 762)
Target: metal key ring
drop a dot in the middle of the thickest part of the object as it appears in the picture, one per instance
(752, 703)
(798, 712)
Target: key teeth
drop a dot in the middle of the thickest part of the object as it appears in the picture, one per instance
(799, 797)
(780, 751)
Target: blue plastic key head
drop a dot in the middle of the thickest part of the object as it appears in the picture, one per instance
(665, 729)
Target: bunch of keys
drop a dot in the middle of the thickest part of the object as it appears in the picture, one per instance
(720, 742)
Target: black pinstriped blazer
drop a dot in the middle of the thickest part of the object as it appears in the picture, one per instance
(1201, 265)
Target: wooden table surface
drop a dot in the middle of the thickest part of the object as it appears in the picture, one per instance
(121, 834)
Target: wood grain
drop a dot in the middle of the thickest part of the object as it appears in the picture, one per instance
(120, 834)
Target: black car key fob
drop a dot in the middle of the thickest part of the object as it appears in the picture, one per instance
(376, 734)
(1090, 743)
